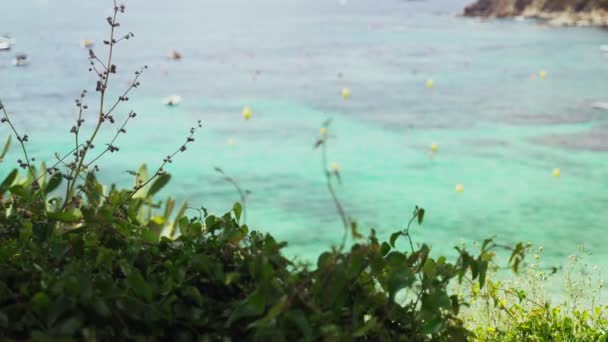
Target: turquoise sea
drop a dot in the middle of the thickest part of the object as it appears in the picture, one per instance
(500, 128)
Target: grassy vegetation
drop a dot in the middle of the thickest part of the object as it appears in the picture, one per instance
(527, 308)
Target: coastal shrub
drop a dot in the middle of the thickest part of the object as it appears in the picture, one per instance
(528, 308)
(108, 273)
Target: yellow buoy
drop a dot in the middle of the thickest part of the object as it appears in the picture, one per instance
(459, 188)
(346, 93)
(323, 131)
(87, 43)
(543, 74)
(434, 147)
(247, 113)
(557, 172)
(430, 83)
(334, 167)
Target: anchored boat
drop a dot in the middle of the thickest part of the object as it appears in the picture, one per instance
(20, 60)
(6, 43)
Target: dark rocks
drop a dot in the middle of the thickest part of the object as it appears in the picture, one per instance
(555, 12)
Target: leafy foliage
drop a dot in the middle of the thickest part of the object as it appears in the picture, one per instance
(112, 268)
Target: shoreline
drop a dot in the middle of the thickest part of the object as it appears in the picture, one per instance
(536, 9)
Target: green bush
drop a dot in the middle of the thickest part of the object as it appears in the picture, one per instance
(106, 272)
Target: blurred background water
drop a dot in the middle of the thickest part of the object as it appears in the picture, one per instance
(500, 128)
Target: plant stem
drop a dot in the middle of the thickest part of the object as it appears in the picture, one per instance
(332, 192)
(100, 120)
(20, 139)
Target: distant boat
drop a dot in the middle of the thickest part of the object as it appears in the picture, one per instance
(6, 43)
(604, 48)
(600, 105)
(173, 100)
(174, 55)
(20, 60)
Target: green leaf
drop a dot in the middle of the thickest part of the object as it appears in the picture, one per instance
(139, 286)
(238, 210)
(385, 248)
(193, 294)
(41, 176)
(7, 145)
(93, 190)
(433, 326)
(168, 208)
(40, 301)
(325, 260)
(355, 230)
(355, 265)
(336, 288)
(8, 181)
(150, 235)
(429, 268)
(482, 273)
(420, 215)
(100, 307)
(365, 328)
(273, 313)
(158, 184)
(190, 228)
(140, 178)
(299, 318)
(178, 217)
(53, 182)
(399, 278)
(3, 320)
(394, 238)
(64, 217)
(252, 306)
(69, 326)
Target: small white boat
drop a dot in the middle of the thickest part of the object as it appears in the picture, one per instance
(600, 105)
(604, 48)
(6, 43)
(173, 100)
(20, 60)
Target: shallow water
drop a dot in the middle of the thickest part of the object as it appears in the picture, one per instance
(501, 130)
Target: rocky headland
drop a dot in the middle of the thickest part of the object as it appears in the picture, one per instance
(554, 12)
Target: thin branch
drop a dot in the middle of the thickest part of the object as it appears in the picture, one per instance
(341, 212)
(242, 193)
(102, 89)
(54, 166)
(133, 84)
(110, 147)
(94, 67)
(22, 140)
(406, 232)
(82, 177)
(169, 159)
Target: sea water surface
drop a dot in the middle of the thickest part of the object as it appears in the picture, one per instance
(500, 128)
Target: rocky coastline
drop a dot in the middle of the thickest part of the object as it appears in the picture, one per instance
(584, 13)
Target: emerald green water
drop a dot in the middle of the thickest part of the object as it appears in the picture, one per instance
(501, 130)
